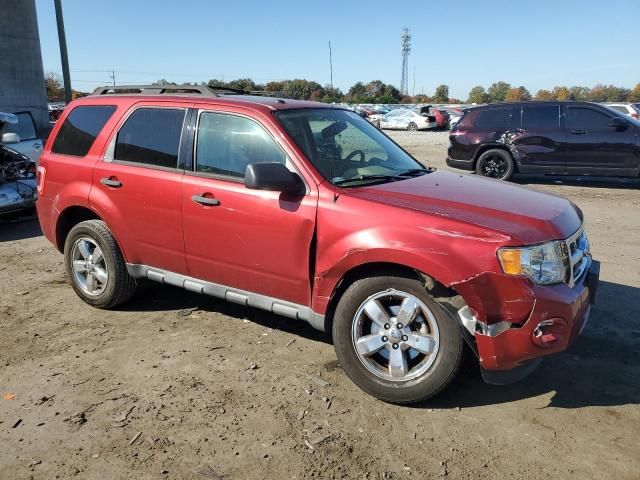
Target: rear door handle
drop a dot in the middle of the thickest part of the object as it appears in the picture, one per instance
(110, 182)
(202, 200)
(578, 132)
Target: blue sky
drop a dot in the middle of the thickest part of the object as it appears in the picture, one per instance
(538, 44)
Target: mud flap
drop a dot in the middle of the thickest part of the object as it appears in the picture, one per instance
(506, 377)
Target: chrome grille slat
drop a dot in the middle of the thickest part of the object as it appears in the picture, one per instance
(576, 248)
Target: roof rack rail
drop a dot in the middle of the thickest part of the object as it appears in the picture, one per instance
(166, 90)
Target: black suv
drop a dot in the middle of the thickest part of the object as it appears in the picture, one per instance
(572, 138)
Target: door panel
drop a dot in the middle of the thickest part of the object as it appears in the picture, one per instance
(137, 188)
(540, 142)
(254, 240)
(593, 147)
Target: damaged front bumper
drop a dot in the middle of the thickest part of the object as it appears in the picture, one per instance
(509, 351)
(17, 196)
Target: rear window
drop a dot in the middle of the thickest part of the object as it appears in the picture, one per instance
(151, 136)
(80, 129)
(541, 116)
(494, 118)
(25, 128)
(619, 108)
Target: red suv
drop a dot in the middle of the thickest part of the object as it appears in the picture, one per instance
(308, 211)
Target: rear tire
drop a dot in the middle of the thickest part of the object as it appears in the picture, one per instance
(95, 266)
(412, 127)
(495, 163)
(383, 361)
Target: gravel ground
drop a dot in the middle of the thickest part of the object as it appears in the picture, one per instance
(175, 385)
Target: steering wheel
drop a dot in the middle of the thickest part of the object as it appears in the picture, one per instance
(353, 154)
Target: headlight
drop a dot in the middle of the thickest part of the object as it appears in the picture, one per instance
(543, 264)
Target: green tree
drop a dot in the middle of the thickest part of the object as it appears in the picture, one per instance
(561, 93)
(245, 84)
(442, 94)
(53, 86)
(634, 96)
(498, 91)
(478, 95)
(544, 95)
(579, 94)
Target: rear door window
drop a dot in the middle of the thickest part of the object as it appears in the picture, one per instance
(498, 118)
(226, 144)
(584, 118)
(25, 128)
(151, 136)
(541, 117)
(80, 129)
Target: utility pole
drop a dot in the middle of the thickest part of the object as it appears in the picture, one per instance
(64, 58)
(413, 92)
(406, 48)
(331, 68)
(113, 77)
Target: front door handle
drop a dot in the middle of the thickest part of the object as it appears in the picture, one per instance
(578, 132)
(202, 200)
(110, 182)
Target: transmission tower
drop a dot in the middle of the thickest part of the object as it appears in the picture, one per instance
(406, 48)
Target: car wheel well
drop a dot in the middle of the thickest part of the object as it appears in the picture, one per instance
(68, 219)
(382, 269)
(486, 148)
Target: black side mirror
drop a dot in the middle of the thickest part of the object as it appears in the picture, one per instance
(619, 123)
(272, 176)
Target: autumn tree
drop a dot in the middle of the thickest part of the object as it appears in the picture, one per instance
(498, 91)
(561, 93)
(634, 96)
(579, 94)
(478, 95)
(520, 94)
(54, 87)
(544, 95)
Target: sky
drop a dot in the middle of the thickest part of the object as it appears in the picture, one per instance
(538, 44)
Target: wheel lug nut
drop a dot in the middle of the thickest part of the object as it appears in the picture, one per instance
(384, 339)
(404, 338)
(399, 325)
(387, 326)
(395, 346)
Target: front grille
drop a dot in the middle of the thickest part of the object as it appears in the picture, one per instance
(577, 256)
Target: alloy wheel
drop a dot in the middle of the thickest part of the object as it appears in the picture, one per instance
(89, 267)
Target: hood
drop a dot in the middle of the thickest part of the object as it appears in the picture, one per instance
(525, 215)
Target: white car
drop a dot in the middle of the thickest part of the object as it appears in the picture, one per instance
(18, 131)
(626, 108)
(403, 119)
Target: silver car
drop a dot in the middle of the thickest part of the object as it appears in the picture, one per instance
(404, 119)
(18, 130)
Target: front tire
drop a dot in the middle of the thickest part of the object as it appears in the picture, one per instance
(395, 341)
(412, 127)
(95, 266)
(496, 164)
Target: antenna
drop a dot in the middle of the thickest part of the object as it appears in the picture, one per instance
(406, 48)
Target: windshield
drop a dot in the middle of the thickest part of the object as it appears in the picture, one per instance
(347, 150)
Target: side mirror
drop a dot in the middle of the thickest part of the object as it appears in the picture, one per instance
(619, 123)
(272, 176)
(8, 138)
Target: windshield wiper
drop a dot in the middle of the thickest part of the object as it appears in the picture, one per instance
(413, 172)
(365, 178)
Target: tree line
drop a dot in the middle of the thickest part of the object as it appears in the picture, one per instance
(377, 91)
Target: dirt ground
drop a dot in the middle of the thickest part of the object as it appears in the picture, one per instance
(176, 385)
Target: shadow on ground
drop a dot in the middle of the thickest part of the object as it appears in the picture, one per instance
(578, 181)
(600, 369)
(20, 229)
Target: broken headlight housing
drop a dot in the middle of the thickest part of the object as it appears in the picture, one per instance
(544, 264)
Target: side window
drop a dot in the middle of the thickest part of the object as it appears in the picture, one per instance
(541, 116)
(586, 119)
(226, 144)
(80, 129)
(151, 136)
(25, 128)
(620, 108)
(497, 118)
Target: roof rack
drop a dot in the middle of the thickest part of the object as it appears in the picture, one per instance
(167, 90)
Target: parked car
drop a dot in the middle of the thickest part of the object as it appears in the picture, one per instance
(455, 114)
(55, 110)
(440, 114)
(308, 211)
(19, 131)
(626, 108)
(405, 119)
(17, 183)
(573, 138)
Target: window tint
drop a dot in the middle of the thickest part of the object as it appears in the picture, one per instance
(80, 129)
(586, 119)
(151, 136)
(25, 128)
(542, 116)
(494, 118)
(226, 144)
